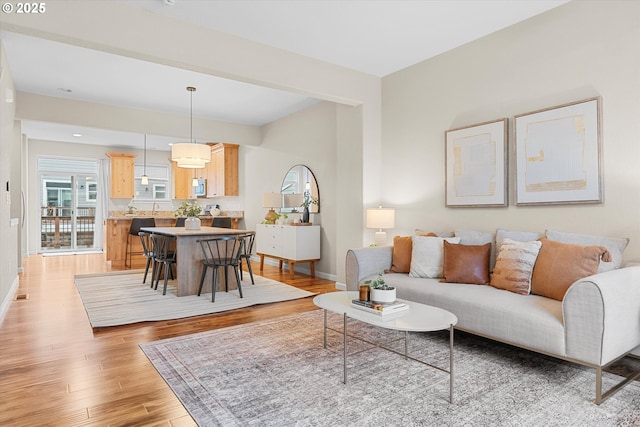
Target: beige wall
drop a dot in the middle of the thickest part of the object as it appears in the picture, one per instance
(309, 138)
(574, 52)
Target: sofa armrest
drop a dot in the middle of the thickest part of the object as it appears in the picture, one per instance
(602, 316)
(365, 262)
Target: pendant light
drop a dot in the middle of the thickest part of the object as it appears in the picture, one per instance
(190, 154)
(144, 179)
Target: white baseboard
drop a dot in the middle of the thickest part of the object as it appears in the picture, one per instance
(10, 297)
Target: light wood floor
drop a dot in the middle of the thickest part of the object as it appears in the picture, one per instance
(56, 371)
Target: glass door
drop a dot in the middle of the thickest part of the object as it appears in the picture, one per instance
(67, 214)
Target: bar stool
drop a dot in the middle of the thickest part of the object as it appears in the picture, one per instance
(223, 251)
(164, 257)
(180, 221)
(247, 249)
(134, 229)
(222, 222)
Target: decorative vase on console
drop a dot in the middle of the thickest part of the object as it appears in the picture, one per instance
(308, 200)
(305, 214)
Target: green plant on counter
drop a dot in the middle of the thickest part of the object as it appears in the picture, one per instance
(188, 209)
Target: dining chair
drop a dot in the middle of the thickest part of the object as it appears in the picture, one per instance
(164, 258)
(247, 249)
(180, 221)
(222, 251)
(134, 229)
(147, 247)
(222, 222)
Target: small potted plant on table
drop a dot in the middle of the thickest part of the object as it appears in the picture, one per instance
(381, 291)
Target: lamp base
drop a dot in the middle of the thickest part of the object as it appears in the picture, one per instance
(271, 216)
(381, 238)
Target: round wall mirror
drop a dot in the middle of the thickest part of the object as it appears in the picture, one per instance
(299, 184)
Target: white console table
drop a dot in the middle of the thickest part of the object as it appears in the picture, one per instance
(291, 243)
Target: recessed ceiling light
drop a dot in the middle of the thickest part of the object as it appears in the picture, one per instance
(77, 135)
(64, 89)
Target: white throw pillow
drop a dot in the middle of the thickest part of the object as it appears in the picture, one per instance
(614, 245)
(427, 256)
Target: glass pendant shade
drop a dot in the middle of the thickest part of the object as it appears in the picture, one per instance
(144, 180)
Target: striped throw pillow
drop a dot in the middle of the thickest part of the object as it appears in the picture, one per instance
(514, 265)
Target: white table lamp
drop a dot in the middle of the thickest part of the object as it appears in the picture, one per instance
(271, 201)
(381, 218)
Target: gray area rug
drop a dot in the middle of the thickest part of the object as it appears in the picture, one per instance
(277, 373)
(120, 298)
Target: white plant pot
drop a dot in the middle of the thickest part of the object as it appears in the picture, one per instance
(383, 295)
(192, 223)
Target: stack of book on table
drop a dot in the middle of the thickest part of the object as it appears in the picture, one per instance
(380, 308)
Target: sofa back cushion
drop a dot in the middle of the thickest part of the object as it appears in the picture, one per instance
(466, 263)
(560, 264)
(514, 265)
(614, 245)
(427, 255)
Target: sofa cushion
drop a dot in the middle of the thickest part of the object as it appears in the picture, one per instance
(518, 236)
(560, 264)
(466, 263)
(530, 321)
(614, 245)
(514, 265)
(427, 255)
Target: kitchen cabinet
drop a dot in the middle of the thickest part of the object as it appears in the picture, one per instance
(122, 179)
(288, 243)
(183, 181)
(222, 171)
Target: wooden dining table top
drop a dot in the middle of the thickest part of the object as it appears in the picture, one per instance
(203, 231)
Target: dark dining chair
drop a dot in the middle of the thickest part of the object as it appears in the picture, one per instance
(180, 221)
(134, 229)
(147, 247)
(164, 258)
(222, 251)
(247, 249)
(222, 222)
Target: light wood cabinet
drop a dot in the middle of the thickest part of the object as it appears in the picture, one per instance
(222, 171)
(122, 179)
(182, 181)
(288, 243)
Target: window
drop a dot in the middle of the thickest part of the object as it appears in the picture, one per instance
(92, 191)
(157, 189)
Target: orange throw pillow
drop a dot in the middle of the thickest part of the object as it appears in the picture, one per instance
(559, 265)
(401, 261)
(466, 263)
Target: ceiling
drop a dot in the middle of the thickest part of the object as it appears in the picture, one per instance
(361, 35)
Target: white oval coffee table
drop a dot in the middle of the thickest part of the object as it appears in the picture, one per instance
(419, 318)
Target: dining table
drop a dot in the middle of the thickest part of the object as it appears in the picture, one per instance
(189, 256)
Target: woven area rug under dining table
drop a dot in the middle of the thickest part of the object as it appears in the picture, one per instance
(277, 373)
(120, 298)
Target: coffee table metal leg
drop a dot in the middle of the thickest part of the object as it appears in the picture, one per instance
(325, 328)
(344, 361)
(451, 364)
(406, 345)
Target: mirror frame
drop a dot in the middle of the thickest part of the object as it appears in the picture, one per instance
(306, 174)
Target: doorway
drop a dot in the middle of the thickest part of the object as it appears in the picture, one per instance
(67, 207)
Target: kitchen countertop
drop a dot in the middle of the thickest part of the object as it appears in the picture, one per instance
(168, 214)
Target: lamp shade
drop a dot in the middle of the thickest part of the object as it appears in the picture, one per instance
(190, 155)
(381, 218)
(271, 200)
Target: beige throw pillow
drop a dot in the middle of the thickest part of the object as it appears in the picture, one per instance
(514, 265)
(427, 256)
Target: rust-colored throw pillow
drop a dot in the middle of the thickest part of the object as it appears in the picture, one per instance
(514, 265)
(466, 263)
(560, 264)
(402, 247)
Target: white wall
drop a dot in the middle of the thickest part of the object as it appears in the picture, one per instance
(309, 138)
(574, 52)
(9, 199)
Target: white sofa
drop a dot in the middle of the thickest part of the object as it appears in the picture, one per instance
(596, 323)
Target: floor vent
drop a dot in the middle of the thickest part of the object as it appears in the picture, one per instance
(22, 296)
